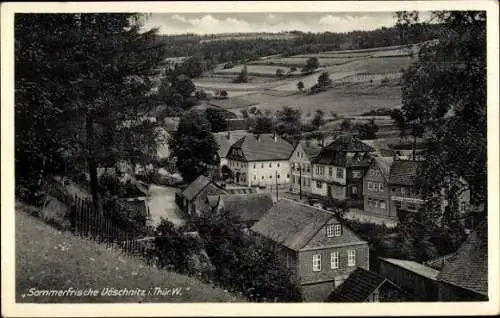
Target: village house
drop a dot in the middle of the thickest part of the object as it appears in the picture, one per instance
(248, 208)
(339, 168)
(320, 251)
(366, 286)
(225, 140)
(465, 275)
(404, 196)
(193, 200)
(376, 191)
(416, 279)
(301, 170)
(260, 160)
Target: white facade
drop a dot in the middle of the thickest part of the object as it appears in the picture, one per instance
(260, 173)
(329, 181)
(300, 171)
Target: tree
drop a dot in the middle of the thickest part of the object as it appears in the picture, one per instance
(367, 130)
(280, 73)
(262, 124)
(346, 124)
(81, 109)
(223, 94)
(324, 80)
(318, 119)
(312, 64)
(288, 123)
(445, 94)
(194, 145)
(217, 118)
(243, 76)
(300, 86)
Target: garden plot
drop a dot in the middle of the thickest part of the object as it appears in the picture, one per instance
(310, 80)
(231, 103)
(253, 70)
(301, 61)
(374, 65)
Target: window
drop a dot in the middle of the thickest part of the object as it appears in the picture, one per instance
(293, 179)
(381, 187)
(462, 206)
(317, 169)
(316, 263)
(287, 175)
(293, 165)
(319, 184)
(270, 165)
(262, 178)
(412, 207)
(370, 186)
(340, 173)
(382, 204)
(351, 258)
(356, 174)
(278, 164)
(287, 260)
(354, 190)
(330, 171)
(271, 176)
(394, 189)
(397, 205)
(338, 229)
(403, 190)
(255, 177)
(262, 165)
(278, 176)
(334, 260)
(254, 165)
(330, 230)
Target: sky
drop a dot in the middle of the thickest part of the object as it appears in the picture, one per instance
(234, 22)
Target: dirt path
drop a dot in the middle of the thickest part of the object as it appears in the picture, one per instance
(162, 205)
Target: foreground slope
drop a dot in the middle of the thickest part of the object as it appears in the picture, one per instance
(50, 259)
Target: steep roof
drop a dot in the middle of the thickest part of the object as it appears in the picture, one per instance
(310, 149)
(403, 172)
(248, 207)
(469, 268)
(226, 139)
(264, 147)
(293, 225)
(414, 267)
(357, 287)
(384, 163)
(339, 159)
(195, 187)
(347, 143)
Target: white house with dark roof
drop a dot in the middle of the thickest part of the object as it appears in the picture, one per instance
(318, 248)
(260, 160)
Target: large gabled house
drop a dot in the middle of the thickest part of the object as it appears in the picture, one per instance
(339, 168)
(260, 160)
(301, 170)
(318, 248)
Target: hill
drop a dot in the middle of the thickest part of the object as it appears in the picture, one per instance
(49, 259)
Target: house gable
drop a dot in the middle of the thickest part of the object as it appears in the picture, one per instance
(321, 239)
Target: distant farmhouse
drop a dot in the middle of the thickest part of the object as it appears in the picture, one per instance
(301, 168)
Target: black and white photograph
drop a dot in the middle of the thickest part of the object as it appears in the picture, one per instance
(331, 156)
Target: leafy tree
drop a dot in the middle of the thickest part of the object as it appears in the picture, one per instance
(288, 123)
(280, 73)
(86, 84)
(194, 145)
(243, 76)
(312, 64)
(300, 86)
(223, 94)
(367, 130)
(445, 92)
(183, 85)
(318, 119)
(217, 118)
(324, 80)
(262, 124)
(346, 124)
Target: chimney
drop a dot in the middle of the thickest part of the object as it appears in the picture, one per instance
(257, 137)
(228, 135)
(275, 136)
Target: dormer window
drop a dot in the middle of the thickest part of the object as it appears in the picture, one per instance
(333, 230)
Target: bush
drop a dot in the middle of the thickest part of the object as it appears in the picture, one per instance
(384, 80)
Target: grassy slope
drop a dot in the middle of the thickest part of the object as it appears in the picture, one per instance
(49, 259)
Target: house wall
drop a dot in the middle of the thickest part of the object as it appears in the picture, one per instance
(421, 287)
(319, 284)
(197, 205)
(264, 173)
(380, 202)
(354, 182)
(449, 292)
(404, 197)
(331, 185)
(300, 158)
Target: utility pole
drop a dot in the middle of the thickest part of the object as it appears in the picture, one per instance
(300, 181)
(276, 177)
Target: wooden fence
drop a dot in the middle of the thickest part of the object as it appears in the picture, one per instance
(85, 222)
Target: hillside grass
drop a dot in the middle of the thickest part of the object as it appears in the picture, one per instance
(49, 259)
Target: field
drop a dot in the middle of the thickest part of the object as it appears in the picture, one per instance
(50, 259)
(357, 77)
